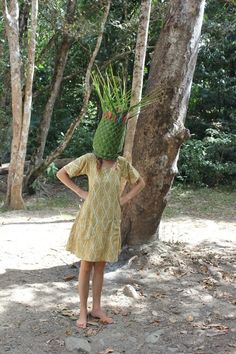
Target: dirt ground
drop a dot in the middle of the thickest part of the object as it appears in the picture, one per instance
(176, 295)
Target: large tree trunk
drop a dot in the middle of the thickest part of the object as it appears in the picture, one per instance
(21, 112)
(160, 129)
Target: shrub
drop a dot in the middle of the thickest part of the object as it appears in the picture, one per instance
(209, 162)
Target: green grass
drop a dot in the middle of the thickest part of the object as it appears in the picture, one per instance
(63, 201)
(202, 203)
(215, 204)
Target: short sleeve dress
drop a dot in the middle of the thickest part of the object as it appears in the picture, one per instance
(95, 234)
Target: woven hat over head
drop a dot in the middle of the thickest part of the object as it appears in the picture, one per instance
(110, 135)
(115, 103)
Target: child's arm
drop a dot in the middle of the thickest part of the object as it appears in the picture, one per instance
(133, 192)
(63, 176)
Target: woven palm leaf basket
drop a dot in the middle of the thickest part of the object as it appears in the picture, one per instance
(115, 102)
(109, 138)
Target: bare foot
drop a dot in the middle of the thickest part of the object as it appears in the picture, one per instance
(102, 316)
(82, 321)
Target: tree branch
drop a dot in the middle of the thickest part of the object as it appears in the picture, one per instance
(75, 123)
(23, 18)
(45, 49)
(60, 64)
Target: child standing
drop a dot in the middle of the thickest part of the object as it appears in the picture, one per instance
(95, 235)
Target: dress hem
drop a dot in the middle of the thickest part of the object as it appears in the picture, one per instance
(89, 260)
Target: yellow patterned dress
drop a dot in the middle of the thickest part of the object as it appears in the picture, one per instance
(95, 234)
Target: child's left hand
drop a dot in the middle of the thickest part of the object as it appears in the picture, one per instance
(124, 200)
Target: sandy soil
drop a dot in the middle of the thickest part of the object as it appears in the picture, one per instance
(176, 295)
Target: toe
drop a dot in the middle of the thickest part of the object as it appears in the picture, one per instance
(80, 324)
(106, 320)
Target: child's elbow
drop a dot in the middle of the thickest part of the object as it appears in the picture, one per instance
(60, 173)
(142, 182)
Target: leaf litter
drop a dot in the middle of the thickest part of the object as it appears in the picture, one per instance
(186, 304)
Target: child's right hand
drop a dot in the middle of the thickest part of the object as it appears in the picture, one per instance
(82, 194)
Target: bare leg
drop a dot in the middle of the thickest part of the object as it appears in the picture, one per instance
(84, 275)
(97, 291)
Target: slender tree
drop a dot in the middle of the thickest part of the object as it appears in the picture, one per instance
(32, 176)
(60, 63)
(160, 129)
(21, 99)
(138, 71)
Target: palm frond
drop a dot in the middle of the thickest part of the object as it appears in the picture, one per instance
(114, 96)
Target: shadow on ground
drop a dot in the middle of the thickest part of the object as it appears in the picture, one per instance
(168, 298)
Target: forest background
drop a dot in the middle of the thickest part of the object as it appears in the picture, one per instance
(208, 158)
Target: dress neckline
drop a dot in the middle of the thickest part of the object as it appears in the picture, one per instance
(112, 168)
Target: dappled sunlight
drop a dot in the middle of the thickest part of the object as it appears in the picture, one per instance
(179, 307)
(34, 246)
(182, 291)
(196, 230)
(32, 294)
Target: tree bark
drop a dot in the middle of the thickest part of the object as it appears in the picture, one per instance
(160, 129)
(137, 83)
(21, 112)
(5, 107)
(60, 64)
(59, 163)
(23, 18)
(87, 90)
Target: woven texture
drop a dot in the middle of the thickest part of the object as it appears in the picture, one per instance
(109, 138)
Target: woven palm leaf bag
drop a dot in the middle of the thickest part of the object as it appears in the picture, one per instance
(115, 102)
(110, 135)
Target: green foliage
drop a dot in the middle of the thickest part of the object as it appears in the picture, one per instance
(210, 158)
(112, 91)
(5, 137)
(206, 203)
(51, 170)
(213, 99)
(82, 139)
(5, 100)
(114, 95)
(210, 161)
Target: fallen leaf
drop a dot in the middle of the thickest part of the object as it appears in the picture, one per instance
(68, 313)
(155, 322)
(158, 294)
(218, 326)
(189, 318)
(209, 283)
(204, 269)
(91, 332)
(56, 340)
(70, 277)
(107, 351)
(232, 344)
(93, 323)
(68, 332)
(215, 326)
